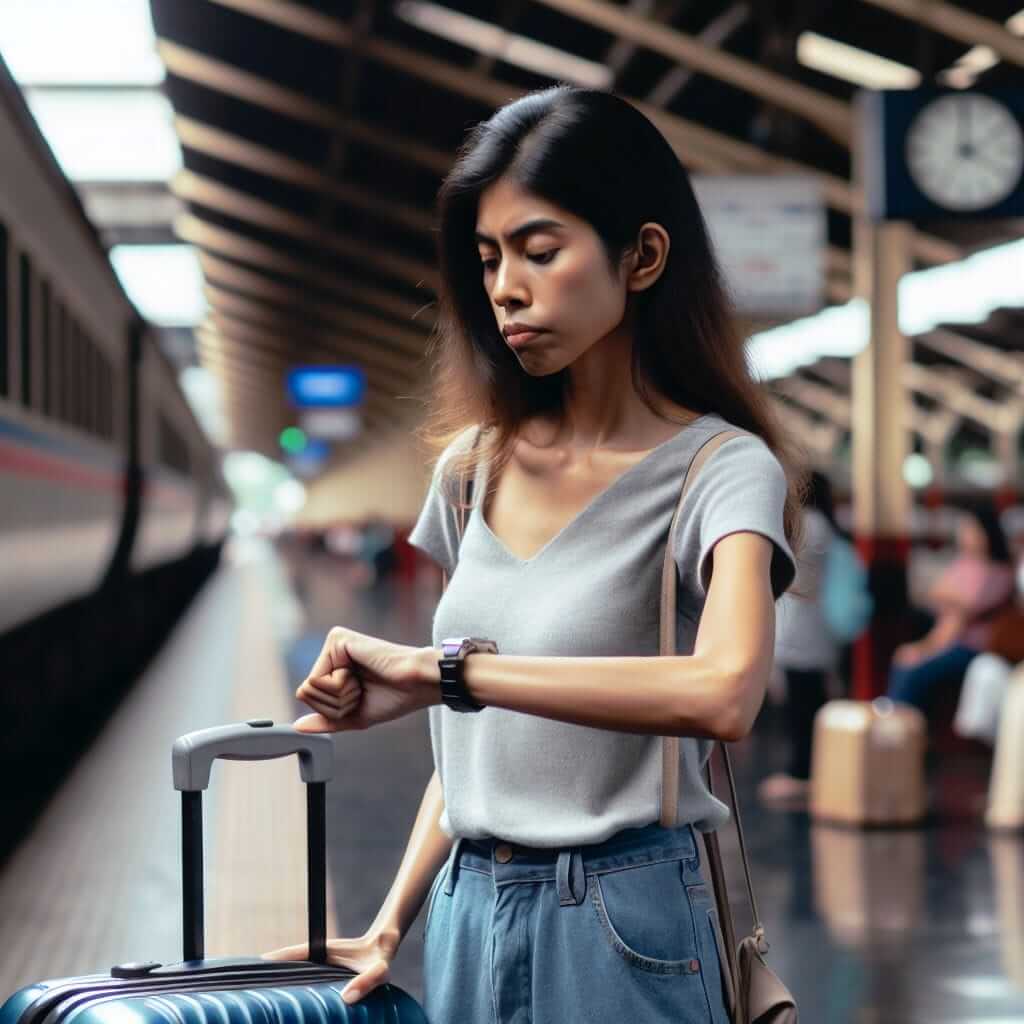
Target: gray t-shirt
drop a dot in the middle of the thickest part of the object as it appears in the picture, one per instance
(592, 591)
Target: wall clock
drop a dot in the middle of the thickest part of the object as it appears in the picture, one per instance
(931, 153)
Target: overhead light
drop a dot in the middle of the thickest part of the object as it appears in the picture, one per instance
(840, 60)
(966, 291)
(164, 282)
(108, 135)
(962, 74)
(54, 42)
(494, 41)
(202, 392)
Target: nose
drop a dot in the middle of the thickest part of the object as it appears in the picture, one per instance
(508, 288)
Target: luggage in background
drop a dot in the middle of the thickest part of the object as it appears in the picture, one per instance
(237, 990)
(867, 763)
(1006, 784)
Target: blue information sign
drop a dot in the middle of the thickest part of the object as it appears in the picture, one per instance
(326, 386)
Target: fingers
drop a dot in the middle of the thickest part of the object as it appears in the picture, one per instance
(332, 655)
(288, 953)
(320, 723)
(330, 705)
(370, 979)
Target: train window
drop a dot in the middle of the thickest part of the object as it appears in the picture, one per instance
(172, 450)
(74, 373)
(3, 311)
(47, 350)
(25, 316)
(89, 383)
(60, 364)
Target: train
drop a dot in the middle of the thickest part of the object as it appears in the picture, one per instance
(113, 505)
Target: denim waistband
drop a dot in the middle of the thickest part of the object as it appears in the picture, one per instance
(568, 865)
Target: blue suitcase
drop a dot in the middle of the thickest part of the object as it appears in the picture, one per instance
(236, 990)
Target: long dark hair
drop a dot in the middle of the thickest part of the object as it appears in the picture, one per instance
(819, 496)
(983, 510)
(595, 155)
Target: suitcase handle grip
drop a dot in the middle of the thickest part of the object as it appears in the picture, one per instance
(193, 754)
(192, 758)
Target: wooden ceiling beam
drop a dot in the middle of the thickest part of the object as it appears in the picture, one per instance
(205, 235)
(956, 23)
(1005, 367)
(996, 417)
(831, 116)
(193, 187)
(820, 437)
(224, 146)
(381, 369)
(261, 286)
(220, 76)
(696, 145)
(268, 377)
(326, 338)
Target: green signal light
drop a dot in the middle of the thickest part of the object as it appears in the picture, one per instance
(293, 440)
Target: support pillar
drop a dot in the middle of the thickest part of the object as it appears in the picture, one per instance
(881, 443)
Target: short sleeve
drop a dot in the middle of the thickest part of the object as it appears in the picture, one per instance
(436, 529)
(741, 487)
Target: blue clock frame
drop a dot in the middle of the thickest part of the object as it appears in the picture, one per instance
(889, 189)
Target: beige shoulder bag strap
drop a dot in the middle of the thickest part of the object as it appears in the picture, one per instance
(753, 992)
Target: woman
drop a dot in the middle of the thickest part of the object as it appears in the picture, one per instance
(805, 649)
(974, 587)
(553, 889)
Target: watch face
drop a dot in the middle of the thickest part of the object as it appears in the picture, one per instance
(965, 151)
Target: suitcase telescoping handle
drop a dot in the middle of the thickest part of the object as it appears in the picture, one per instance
(192, 758)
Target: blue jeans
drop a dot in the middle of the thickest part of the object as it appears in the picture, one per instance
(620, 931)
(918, 683)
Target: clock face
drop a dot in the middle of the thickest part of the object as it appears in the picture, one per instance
(965, 151)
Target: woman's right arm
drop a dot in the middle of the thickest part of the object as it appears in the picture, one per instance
(426, 851)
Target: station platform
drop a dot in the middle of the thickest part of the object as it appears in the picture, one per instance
(884, 926)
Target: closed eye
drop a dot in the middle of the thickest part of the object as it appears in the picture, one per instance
(540, 257)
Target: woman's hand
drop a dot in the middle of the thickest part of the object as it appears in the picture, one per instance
(369, 956)
(358, 681)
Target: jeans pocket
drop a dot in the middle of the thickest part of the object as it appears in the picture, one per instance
(644, 914)
(712, 954)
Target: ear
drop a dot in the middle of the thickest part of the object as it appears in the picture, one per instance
(648, 257)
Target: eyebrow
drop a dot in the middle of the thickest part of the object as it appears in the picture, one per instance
(537, 224)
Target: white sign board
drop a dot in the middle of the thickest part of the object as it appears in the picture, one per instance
(770, 235)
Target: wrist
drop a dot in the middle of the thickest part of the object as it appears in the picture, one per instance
(429, 672)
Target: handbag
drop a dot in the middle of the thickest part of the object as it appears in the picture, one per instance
(754, 994)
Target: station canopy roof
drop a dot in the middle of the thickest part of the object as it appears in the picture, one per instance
(315, 134)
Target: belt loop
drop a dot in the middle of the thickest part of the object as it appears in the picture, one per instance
(572, 882)
(453, 866)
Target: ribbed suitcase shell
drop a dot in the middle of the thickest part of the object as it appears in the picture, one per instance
(236, 990)
(228, 991)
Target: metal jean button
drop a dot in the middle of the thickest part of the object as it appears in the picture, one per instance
(503, 853)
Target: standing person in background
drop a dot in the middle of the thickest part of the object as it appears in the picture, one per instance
(973, 589)
(805, 649)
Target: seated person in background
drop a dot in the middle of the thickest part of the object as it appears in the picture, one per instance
(988, 675)
(972, 590)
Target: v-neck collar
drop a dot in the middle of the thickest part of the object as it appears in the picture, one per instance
(478, 514)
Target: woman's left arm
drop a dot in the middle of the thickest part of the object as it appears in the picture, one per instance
(716, 692)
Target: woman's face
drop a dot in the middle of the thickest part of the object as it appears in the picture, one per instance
(971, 539)
(555, 277)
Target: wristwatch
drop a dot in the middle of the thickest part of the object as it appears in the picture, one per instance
(453, 663)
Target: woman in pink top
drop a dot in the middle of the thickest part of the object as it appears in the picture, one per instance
(975, 585)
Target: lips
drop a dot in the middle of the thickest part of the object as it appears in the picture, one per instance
(521, 329)
(522, 337)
